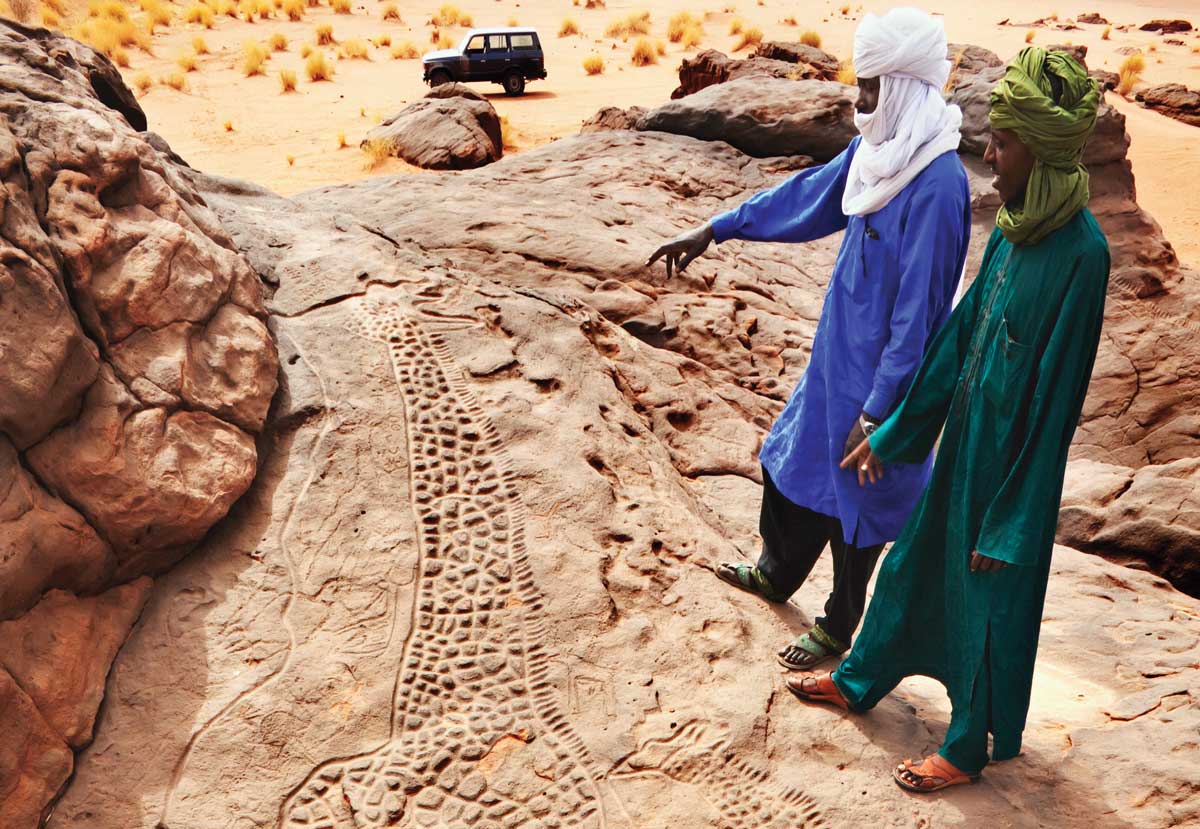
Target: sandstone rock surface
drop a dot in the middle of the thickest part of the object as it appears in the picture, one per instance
(1173, 100)
(136, 371)
(451, 128)
(471, 584)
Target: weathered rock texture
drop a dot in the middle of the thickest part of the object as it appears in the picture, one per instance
(136, 370)
(1166, 26)
(764, 116)
(451, 128)
(794, 61)
(1173, 100)
(471, 585)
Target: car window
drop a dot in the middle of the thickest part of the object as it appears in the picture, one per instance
(497, 43)
(523, 42)
(476, 44)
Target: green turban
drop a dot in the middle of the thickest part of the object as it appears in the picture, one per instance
(1054, 119)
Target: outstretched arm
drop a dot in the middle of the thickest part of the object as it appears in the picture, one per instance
(806, 206)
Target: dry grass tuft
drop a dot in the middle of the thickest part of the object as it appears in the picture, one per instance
(120, 57)
(406, 51)
(736, 25)
(278, 42)
(199, 46)
(593, 64)
(253, 58)
(228, 126)
(390, 12)
(341, 136)
(1153, 47)
(317, 68)
(568, 27)
(447, 15)
(325, 35)
(305, 51)
(678, 25)
(811, 38)
(512, 21)
(340, 6)
(845, 10)
(1130, 72)
(157, 14)
(50, 18)
(1106, 33)
(142, 83)
(186, 61)
(692, 36)
(637, 23)
(845, 73)
(287, 81)
(291, 160)
(1029, 36)
(444, 41)
(355, 49)
(294, 9)
(790, 21)
(378, 150)
(750, 37)
(199, 14)
(644, 52)
(176, 81)
(383, 41)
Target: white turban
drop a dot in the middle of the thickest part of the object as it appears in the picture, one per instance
(904, 43)
(911, 124)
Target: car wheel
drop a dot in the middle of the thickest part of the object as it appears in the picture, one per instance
(514, 83)
(439, 77)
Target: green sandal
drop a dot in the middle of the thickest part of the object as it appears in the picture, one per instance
(748, 578)
(809, 650)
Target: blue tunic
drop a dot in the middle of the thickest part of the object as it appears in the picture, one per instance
(891, 290)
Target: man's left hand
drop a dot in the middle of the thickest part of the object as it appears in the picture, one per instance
(981, 563)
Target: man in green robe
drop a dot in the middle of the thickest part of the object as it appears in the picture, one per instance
(959, 598)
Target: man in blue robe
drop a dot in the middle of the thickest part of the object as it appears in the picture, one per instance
(900, 193)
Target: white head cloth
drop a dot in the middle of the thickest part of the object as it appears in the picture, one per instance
(912, 124)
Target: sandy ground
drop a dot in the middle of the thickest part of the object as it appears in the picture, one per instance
(270, 127)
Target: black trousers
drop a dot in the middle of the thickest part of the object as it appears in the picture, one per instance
(793, 539)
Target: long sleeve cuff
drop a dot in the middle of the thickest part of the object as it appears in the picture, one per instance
(724, 226)
(879, 403)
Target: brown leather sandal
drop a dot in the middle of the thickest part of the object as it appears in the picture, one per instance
(932, 775)
(820, 687)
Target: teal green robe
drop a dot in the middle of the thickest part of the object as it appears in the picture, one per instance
(1007, 377)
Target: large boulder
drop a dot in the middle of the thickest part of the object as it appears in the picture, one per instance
(1173, 100)
(137, 372)
(451, 128)
(764, 116)
(1166, 26)
(825, 65)
(773, 60)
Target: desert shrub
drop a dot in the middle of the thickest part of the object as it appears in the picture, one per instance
(390, 12)
(845, 73)
(1029, 36)
(287, 80)
(679, 24)
(637, 23)
(278, 42)
(340, 6)
(294, 9)
(568, 27)
(644, 52)
(325, 34)
(355, 49)
(142, 82)
(736, 25)
(1130, 72)
(750, 37)
(593, 64)
(186, 61)
(383, 41)
(811, 38)
(406, 51)
(317, 68)
(378, 150)
(120, 57)
(1106, 33)
(176, 81)
(199, 13)
(341, 138)
(199, 46)
(228, 126)
(253, 58)
(447, 15)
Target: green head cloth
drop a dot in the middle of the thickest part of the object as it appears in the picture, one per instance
(1049, 101)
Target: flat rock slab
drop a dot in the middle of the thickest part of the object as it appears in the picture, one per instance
(1173, 100)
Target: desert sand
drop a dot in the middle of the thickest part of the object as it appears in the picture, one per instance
(268, 127)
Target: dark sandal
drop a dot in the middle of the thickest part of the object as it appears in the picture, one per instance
(748, 578)
(945, 777)
(818, 644)
(807, 686)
